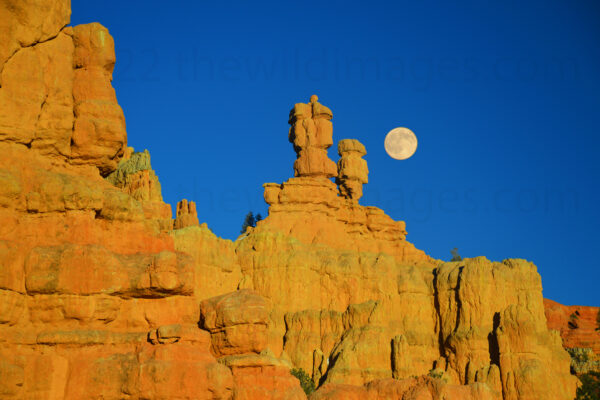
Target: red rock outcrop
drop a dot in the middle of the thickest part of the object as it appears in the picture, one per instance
(579, 328)
(100, 297)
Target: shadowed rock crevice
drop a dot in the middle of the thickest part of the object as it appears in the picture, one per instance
(457, 298)
(436, 304)
(493, 342)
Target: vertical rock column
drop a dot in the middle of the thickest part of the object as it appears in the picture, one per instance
(186, 215)
(99, 135)
(311, 133)
(352, 169)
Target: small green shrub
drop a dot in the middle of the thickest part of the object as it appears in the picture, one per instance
(305, 380)
(455, 255)
(578, 355)
(436, 373)
(590, 386)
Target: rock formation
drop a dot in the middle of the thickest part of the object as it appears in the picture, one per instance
(579, 327)
(311, 133)
(99, 129)
(134, 175)
(95, 302)
(55, 94)
(100, 297)
(186, 214)
(352, 169)
(308, 206)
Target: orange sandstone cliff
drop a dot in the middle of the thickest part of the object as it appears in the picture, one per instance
(103, 295)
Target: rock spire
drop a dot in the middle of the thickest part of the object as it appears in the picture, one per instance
(186, 215)
(311, 133)
(352, 169)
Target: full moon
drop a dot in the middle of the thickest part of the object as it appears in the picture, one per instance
(400, 143)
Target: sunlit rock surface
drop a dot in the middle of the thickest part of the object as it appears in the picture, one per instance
(104, 295)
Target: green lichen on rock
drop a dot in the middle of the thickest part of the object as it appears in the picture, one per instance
(127, 177)
(139, 161)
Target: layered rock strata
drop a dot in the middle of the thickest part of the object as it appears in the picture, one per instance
(579, 327)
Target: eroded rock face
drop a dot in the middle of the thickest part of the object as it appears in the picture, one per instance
(25, 23)
(238, 322)
(423, 388)
(216, 266)
(480, 303)
(579, 328)
(55, 85)
(99, 136)
(103, 295)
(388, 310)
(95, 302)
(262, 376)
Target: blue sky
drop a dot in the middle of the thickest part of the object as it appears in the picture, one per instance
(504, 98)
